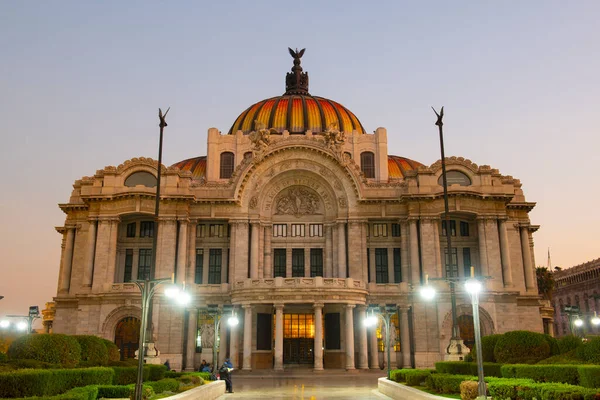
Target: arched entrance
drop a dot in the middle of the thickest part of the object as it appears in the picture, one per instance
(127, 336)
(467, 330)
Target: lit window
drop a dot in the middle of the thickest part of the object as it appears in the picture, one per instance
(297, 230)
(226, 165)
(315, 230)
(380, 230)
(280, 230)
(367, 164)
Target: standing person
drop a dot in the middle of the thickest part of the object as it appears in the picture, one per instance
(225, 373)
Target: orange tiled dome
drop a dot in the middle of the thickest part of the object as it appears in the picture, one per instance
(397, 166)
(297, 113)
(196, 165)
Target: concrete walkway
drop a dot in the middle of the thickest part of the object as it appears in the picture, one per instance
(306, 385)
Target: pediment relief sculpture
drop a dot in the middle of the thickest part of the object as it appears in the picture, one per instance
(298, 201)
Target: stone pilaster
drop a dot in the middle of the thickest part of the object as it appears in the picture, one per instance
(232, 251)
(493, 251)
(341, 234)
(373, 350)
(182, 250)
(247, 358)
(505, 252)
(278, 366)
(355, 245)
(90, 252)
(328, 228)
(318, 346)
(428, 250)
(67, 261)
(240, 248)
(483, 256)
(222, 342)
(439, 261)
(268, 256)
(190, 349)
(166, 246)
(363, 356)
(405, 337)
(254, 243)
(404, 250)
(415, 272)
(234, 347)
(527, 266)
(112, 251)
(349, 337)
(191, 259)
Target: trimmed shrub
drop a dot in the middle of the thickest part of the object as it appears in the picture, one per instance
(589, 376)
(567, 358)
(447, 383)
(147, 391)
(397, 375)
(590, 351)
(113, 351)
(521, 347)
(93, 350)
(155, 372)
(543, 373)
(80, 393)
(568, 343)
(52, 348)
(174, 374)
(206, 376)
(469, 390)
(114, 391)
(128, 375)
(32, 364)
(3, 357)
(506, 388)
(416, 377)
(554, 349)
(488, 343)
(464, 368)
(166, 385)
(35, 382)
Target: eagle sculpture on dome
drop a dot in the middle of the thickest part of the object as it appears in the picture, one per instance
(296, 54)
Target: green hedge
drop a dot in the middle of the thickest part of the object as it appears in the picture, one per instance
(447, 383)
(521, 347)
(397, 375)
(89, 392)
(416, 377)
(128, 375)
(120, 392)
(568, 343)
(93, 350)
(553, 343)
(590, 351)
(467, 368)
(522, 389)
(488, 343)
(165, 385)
(113, 351)
(51, 348)
(589, 376)
(31, 364)
(49, 382)
(542, 373)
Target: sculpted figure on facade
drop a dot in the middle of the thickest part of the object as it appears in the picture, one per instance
(298, 201)
(260, 138)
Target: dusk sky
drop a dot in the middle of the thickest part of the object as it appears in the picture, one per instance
(81, 83)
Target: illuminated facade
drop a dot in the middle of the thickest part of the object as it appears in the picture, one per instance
(299, 219)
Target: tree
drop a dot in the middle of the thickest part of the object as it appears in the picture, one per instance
(545, 282)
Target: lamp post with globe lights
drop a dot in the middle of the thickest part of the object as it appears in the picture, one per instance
(386, 315)
(26, 321)
(232, 321)
(148, 288)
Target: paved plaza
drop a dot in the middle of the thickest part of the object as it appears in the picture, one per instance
(338, 385)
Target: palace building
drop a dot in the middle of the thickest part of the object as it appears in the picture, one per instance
(296, 220)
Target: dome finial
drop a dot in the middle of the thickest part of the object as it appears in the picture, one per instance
(296, 82)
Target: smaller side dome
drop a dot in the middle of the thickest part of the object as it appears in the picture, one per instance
(196, 165)
(397, 166)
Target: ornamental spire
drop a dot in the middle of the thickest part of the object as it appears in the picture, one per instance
(296, 82)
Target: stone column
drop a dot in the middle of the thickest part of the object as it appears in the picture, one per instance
(234, 347)
(373, 272)
(328, 250)
(247, 361)
(349, 337)
(101, 257)
(67, 261)
(191, 339)
(390, 256)
(182, 250)
(191, 259)
(91, 250)
(483, 258)
(341, 230)
(222, 342)
(112, 251)
(404, 246)
(261, 251)
(439, 261)
(414, 254)
(527, 266)
(363, 358)
(505, 252)
(254, 250)
(318, 346)
(268, 258)
(278, 337)
(494, 254)
(404, 337)
(232, 252)
(373, 350)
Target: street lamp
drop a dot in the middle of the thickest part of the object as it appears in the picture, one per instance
(148, 289)
(26, 323)
(595, 320)
(232, 321)
(474, 287)
(371, 320)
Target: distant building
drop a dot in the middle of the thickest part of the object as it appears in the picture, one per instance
(48, 314)
(578, 289)
(299, 218)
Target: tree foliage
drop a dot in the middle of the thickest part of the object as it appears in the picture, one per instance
(545, 282)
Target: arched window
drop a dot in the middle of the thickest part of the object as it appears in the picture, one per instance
(367, 164)
(127, 336)
(226, 165)
(455, 178)
(141, 178)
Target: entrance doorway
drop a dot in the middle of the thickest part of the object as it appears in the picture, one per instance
(298, 338)
(127, 336)
(467, 330)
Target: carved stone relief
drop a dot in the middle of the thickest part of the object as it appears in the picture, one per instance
(298, 201)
